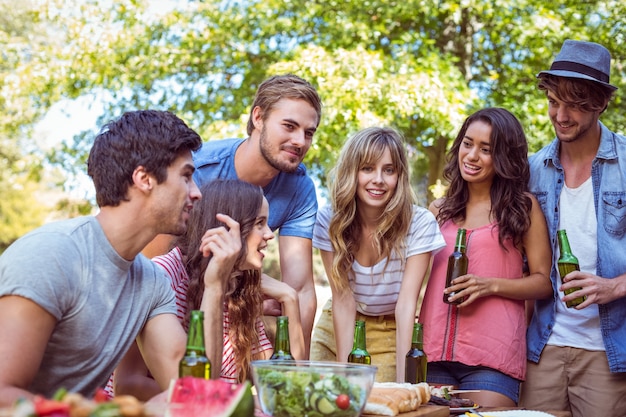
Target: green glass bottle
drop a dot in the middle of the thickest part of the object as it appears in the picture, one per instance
(457, 264)
(195, 362)
(359, 352)
(567, 263)
(282, 349)
(415, 362)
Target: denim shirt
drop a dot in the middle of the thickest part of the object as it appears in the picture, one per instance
(608, 173)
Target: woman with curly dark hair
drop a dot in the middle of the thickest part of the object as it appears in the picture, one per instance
(480, 344)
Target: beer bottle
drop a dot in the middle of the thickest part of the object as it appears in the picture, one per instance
(359, 353)
(195, 362)
(415, 362)
(567, 263)
(457, 264)
(282, 350)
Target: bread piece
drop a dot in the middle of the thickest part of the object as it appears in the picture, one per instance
(380, 405)
(404, 397)
(420, 392)
(409, 395)
(424, 392)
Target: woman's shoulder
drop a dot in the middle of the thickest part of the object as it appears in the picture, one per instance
(420, 212)
(422, 218)
(435, 206)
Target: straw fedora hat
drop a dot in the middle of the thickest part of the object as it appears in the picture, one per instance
(585, 60)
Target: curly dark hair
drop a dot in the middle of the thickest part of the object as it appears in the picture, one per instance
(243, 296)
(510, 201)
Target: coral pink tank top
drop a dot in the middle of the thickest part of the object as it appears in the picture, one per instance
(492, 330)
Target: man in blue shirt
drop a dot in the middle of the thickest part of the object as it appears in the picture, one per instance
(284, 117)
(577, 356)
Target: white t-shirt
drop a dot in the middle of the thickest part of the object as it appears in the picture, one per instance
(578, 328)
(376, 288)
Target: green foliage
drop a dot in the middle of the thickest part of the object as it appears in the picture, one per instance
(418, 65)
(17, 215)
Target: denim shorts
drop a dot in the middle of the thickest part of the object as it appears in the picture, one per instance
(473, 377)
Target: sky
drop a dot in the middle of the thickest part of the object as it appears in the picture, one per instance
(64, 120)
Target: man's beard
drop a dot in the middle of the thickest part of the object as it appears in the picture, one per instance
(583, 130)
(275, 163)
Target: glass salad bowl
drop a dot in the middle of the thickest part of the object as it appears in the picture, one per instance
(309, 388)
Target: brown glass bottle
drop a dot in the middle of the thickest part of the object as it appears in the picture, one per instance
(416, 362)
(359, 353)
(282, 348)
(195, 362)
(457, 264)
(567, 263)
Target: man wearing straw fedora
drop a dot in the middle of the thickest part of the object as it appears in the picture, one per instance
(577, 356)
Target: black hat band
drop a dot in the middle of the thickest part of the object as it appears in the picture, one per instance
(581, 69)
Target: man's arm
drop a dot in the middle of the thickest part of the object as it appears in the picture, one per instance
(25, 329)
(131, 377)
(162, 344)
(296, 265)
(288, 298)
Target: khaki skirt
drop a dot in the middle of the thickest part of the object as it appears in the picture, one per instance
(380, 340)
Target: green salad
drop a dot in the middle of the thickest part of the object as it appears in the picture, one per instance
(290, 393)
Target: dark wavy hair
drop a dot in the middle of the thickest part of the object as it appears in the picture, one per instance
(243, 297)
(149, 138)
(510, 201)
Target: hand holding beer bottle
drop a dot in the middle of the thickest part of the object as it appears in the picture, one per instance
(567, 263)
(457, 264)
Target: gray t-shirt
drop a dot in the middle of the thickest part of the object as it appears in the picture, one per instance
(100, 300)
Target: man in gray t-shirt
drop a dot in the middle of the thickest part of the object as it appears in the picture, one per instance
(75, 294)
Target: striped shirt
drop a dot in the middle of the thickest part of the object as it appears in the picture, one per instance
(174, 266)
(376, 288)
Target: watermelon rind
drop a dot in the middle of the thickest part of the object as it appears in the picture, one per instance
(197, 397)
(245, 406)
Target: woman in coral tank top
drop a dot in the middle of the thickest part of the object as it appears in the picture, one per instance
(480, 344)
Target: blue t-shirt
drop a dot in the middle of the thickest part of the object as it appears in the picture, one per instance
(291, 196)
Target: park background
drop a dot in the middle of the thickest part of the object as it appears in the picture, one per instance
(420, 66)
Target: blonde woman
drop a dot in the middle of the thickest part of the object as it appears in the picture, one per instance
(376, 246)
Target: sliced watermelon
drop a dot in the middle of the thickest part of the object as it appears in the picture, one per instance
(198, 397)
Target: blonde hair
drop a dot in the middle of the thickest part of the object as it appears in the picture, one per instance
(366, 147)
